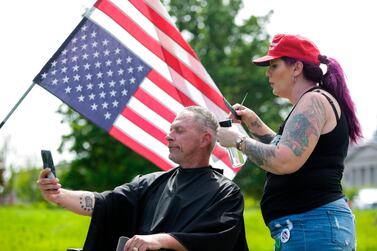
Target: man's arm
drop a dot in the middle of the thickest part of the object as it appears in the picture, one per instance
(80, 202)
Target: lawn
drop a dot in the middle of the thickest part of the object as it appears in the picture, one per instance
(40, 229)
(51, 229)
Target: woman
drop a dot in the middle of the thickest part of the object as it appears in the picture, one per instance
(303, 204)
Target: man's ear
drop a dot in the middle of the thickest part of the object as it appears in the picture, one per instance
(206, 139)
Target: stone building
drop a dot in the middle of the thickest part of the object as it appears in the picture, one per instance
(361, 165)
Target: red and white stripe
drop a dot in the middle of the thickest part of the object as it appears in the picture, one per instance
(177, 79)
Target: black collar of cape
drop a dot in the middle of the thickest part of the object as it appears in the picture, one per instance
(221, 171)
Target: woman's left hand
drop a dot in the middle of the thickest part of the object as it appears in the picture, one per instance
(227, 136)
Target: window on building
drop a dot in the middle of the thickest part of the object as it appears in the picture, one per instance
(363, 179)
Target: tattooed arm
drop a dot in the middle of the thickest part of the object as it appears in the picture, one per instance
(256, 126)
(80, 202)
(300, 136)
(260, 131)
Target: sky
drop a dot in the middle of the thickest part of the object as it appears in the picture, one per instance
(33, 30)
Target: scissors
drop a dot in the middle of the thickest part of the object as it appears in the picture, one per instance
(232, 111)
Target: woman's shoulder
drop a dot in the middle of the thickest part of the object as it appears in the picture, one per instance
(322, 106)
(325, 98)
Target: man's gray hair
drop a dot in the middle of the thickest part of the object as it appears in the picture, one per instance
(204, 117)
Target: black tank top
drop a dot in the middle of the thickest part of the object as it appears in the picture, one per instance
(316, 183)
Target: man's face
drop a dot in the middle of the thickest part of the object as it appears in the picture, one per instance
(184, 139)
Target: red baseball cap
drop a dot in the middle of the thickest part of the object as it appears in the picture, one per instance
(293, 46)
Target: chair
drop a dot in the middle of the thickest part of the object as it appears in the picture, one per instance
(121, 242)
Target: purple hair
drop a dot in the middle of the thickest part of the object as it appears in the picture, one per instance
(334, 82)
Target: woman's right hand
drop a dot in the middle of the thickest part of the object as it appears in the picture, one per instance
(247, 115)
(50, 187)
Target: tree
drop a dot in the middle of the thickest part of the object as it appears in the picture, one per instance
(25, 185)
(225, 49)
(2, 170)
(3, 153)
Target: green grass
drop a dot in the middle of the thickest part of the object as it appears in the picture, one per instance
(46, 229)
(257, 234)
(366, 230)
(40, 229)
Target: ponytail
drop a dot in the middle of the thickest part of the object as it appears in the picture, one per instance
(334, 82)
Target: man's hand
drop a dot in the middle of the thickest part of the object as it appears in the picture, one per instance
(50, 187)
(144, 242)
(153, 242)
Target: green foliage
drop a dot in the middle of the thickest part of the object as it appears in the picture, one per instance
(25, 185)
(2, 180)
(21, 186)
(251, 179)
(42, 229)
(8, 187)
(350, 193)
(3, 154)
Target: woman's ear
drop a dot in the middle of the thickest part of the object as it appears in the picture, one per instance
(297, 68)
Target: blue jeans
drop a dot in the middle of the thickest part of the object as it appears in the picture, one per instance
(329, 227)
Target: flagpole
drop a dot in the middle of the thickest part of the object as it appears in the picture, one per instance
(18, 103)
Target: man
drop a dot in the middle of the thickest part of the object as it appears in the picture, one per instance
(191, 207)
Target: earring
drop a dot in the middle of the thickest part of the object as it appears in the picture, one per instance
(293, 79)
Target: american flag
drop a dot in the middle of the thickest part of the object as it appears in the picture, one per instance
(127, 68)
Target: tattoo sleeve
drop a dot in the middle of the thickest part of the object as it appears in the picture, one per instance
(86, 202)
(257, 124)
(266, 139)
(258, 152)
(302, 125)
